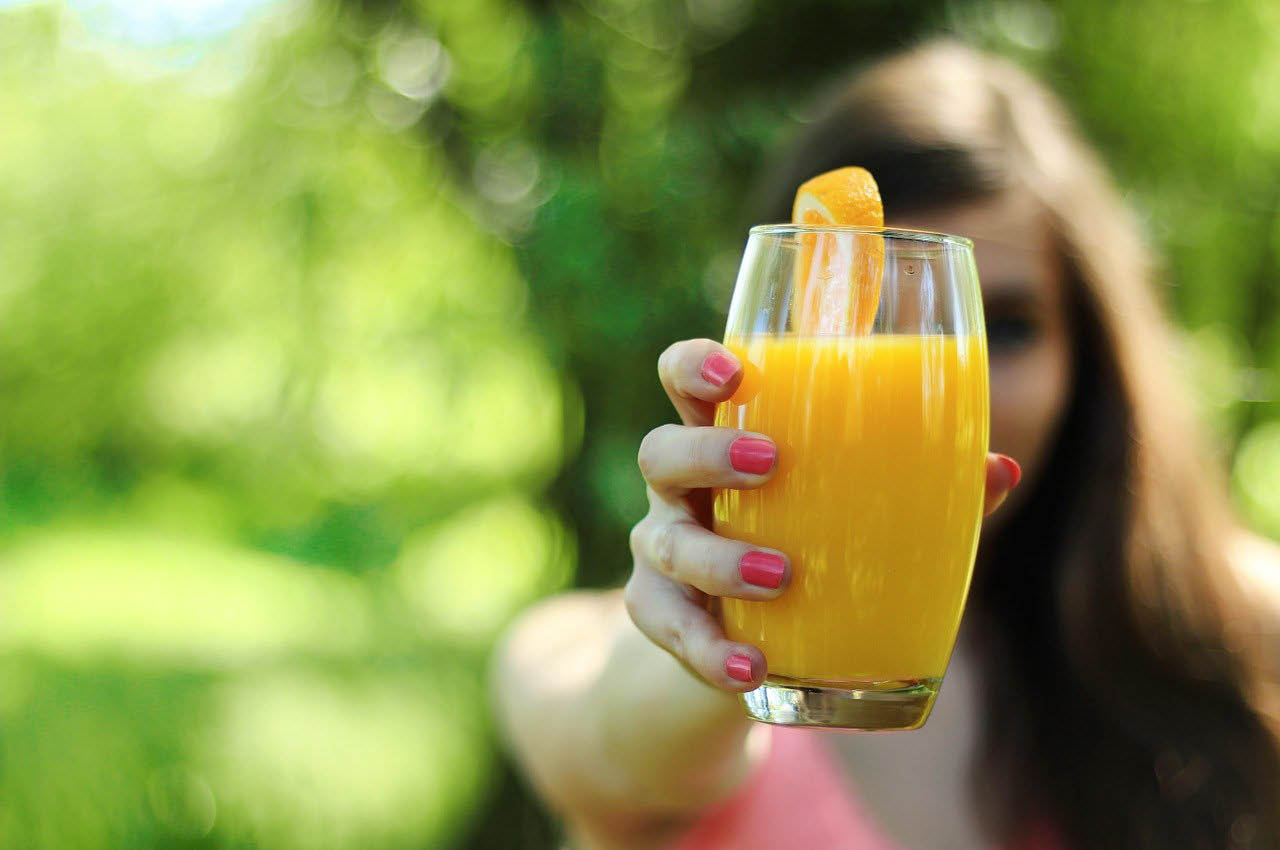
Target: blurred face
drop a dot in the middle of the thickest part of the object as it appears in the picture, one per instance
(1024, 298)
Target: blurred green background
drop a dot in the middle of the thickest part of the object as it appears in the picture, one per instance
(327, 337)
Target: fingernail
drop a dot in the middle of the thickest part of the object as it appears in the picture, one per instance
(739, 667)
(1015, 471)
(718, 369)
(763, 569)
(749, 454)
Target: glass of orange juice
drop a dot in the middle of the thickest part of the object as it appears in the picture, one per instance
(865, 360)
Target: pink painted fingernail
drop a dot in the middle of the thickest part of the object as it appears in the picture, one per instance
(739, 667)
(749, 454)
(763, 569)
(718, 369)
(1015, 471)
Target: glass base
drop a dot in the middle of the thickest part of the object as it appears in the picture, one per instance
(867, 706)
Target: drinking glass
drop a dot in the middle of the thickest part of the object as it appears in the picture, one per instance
(865, 360)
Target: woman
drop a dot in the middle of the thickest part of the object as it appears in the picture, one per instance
(1114, 682)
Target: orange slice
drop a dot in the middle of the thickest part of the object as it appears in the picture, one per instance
(837, 285)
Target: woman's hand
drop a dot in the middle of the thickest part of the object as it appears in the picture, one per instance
(679, 564)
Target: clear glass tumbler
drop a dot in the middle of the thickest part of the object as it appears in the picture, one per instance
(865, 360)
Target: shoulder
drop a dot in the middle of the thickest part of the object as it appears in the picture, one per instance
(539, 674)
(1255, 563)
(556, 646)
(559, 623)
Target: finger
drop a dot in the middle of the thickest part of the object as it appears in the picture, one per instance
(696, 374)
(690, 554)
(679, 457)
(662, 610)
(1003, 474)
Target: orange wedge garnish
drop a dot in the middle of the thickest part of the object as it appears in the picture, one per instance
(837, 286)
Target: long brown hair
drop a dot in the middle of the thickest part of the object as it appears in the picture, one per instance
(1126, 697)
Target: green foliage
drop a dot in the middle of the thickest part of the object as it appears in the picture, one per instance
(327, 342)
(276, 426)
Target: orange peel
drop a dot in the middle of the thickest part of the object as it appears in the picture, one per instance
(837, 276)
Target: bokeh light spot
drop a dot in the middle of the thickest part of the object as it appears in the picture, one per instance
(466, 578)
(209, 387)
(313, 762)
(416, 66)
(130, 593)
(1257, 476)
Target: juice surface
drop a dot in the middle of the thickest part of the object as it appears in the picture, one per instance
(877, 499)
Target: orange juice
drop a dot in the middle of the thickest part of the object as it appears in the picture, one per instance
(877, 500)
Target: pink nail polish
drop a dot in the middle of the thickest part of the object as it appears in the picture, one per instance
(1015, 471)
(749, 454)
(739, 667)
(763, 569)
(718, 369)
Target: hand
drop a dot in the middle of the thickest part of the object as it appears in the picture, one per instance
(680, 565)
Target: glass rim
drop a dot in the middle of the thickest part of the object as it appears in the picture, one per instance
(893, 232)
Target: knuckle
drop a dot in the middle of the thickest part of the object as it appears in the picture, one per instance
(663, 546)
(693, 635)
(695, 567)
(707, 573)
(631, 596)
(701, 455)
(644, 457)
(667, 361)
(636, 538)
(673, 635)
(651, 449)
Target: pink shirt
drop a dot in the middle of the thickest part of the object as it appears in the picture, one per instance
(800, 799)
